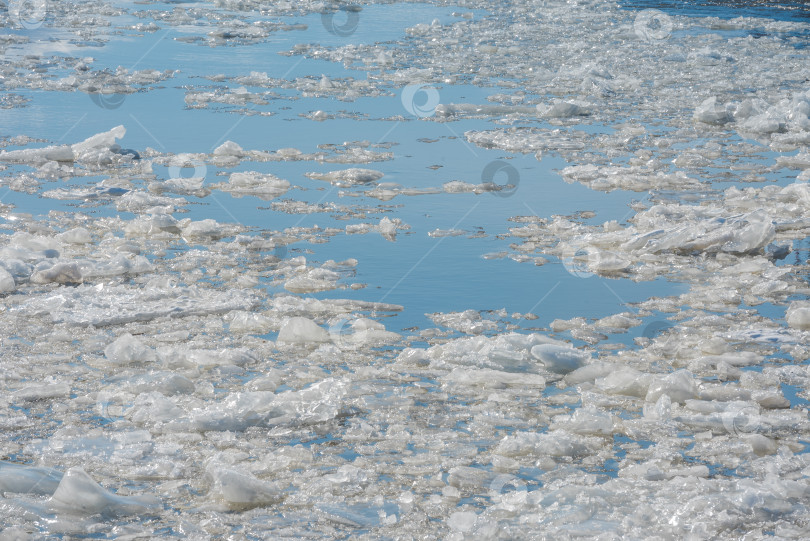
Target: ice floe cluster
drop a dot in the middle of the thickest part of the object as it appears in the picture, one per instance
(168, 376)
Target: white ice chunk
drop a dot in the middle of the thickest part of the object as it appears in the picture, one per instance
(77, 235)
(711, 112)
(240, 490)
(262, 185)
(7, 283)
(625, 381)
(559, 359)
(798, 315)
(486, 377)
(60, 273)
(28, 479)
(128, 349)
(229, 148)
(42, 391)
(78, 493)
(558, 443)
(679, 386)
(348, 177)
(302, 330)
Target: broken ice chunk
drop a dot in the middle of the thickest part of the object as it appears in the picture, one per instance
(240, 490)
(559, 359)
(679, 386)
(302, 330)
(78, 493)
(60, 273)
(798, 315)
(7, 284)
(128, 349)
(28, 479)
(348, 177)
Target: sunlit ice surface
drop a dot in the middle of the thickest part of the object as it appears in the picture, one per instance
(464, 270)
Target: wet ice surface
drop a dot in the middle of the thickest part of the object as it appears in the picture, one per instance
(462, 270)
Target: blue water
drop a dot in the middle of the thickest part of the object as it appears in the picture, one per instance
(423, 274)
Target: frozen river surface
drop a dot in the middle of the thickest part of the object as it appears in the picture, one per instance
(404, 270)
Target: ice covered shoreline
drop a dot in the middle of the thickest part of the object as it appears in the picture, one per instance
(171, 375)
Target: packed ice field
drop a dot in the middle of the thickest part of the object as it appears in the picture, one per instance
(461, 270)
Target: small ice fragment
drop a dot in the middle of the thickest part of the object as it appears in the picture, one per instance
(7, 284)
(229, 148)
(348, 177)
(60, 273)
(679, 386)
(798, 315)
(711, 112)
(563, 109)
(462, 521)
(77, 235)
(388, 229)
(42, 391)
(559, 359)
(302, 330)
(128, 349)
(239, 490)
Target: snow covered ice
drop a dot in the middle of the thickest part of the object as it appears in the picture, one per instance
(406, 270)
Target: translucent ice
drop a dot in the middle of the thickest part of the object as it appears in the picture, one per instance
(240, 490)
(78, 493)
(559, 359)
(302, 330)
(28, 479)
(128, 349)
